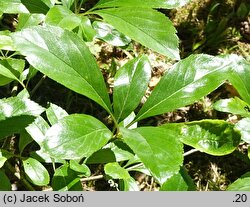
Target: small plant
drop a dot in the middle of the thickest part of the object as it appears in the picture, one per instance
(51, 37)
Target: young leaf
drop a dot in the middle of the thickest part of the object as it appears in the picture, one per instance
(76, 136)
(146, 26)
(64, 57)
(86, 31)
(239, 75)
(12, 7)
(66, 179)
(241, 184)
(158, 148)
(233, 105)
(35, 6)
(55, 113)
(215, 137)
(110, 35)
(36, 172)
(244, 127)
(5, 184)
(115, 171)
(187, 81)
(16, 114)
(130, 84)
(166, 4)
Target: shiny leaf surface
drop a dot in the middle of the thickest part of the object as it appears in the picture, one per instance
(130, 84)
(244, 127)
(76, 136)
(158, 148)
(12, 7)
(55, 113)
(146, 26)
(186, 82)
(63, 56)
(28, 20)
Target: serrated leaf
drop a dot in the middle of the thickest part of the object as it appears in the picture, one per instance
(233, 105)
(65, 179)
(63, 56)
(12, 7)
(215, 137)
(4, 155)
(109, 34)
(146, 26)
(115, 171)
(76, 136)
(36, 172)
(186, 82)
(16, 114)
(241, 184)
(62, 17)
(5, 184)
(130, 84)
(166, 4)
(244, 127)
(239, 75)
(159, 150)
(35, 6)
(55, 113)
(28, 20)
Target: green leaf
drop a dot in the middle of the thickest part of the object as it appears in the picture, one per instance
(86, 30)
(244, 127)
(241, 184)
(16, 114)
(66, 179)
(28, 20)
(36, 172)
(109, 34)
(239, 75)
(146, 26)
(62, 17)
(186, 82)
(55, 113)
(166, 4)
(4, 155)
(7, 73)
(76, 136)
(215, 137)
(5, 184)
(80, 168)
(6, 42)
(68, 3)
(158, 148)
(233, 105)
(24, 140)
(179, 182)
(12, 7)
(63, 56)
(115, 171)
(130, 84)
(35, 6)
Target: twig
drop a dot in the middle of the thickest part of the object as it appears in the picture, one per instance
(37, 85)
(97, 177)
(190, 152)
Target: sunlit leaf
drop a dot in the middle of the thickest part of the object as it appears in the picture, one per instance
(55, 113)
(241, 184)
(244, 127)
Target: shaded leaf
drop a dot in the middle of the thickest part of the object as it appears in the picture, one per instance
(65, 179)
(63, 56)
(76, 136)
(142, 3)
(24, 140)
(146, 26)
(36, 172)
(130, 84)
(233, 105)
(80, 168)
(186, 82)
(5, 184)
(109, 34)
(159, 150)
(35, 6)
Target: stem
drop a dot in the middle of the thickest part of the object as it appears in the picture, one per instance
(38, 85)
(22, 179)
(190, 152)
(97, 177)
